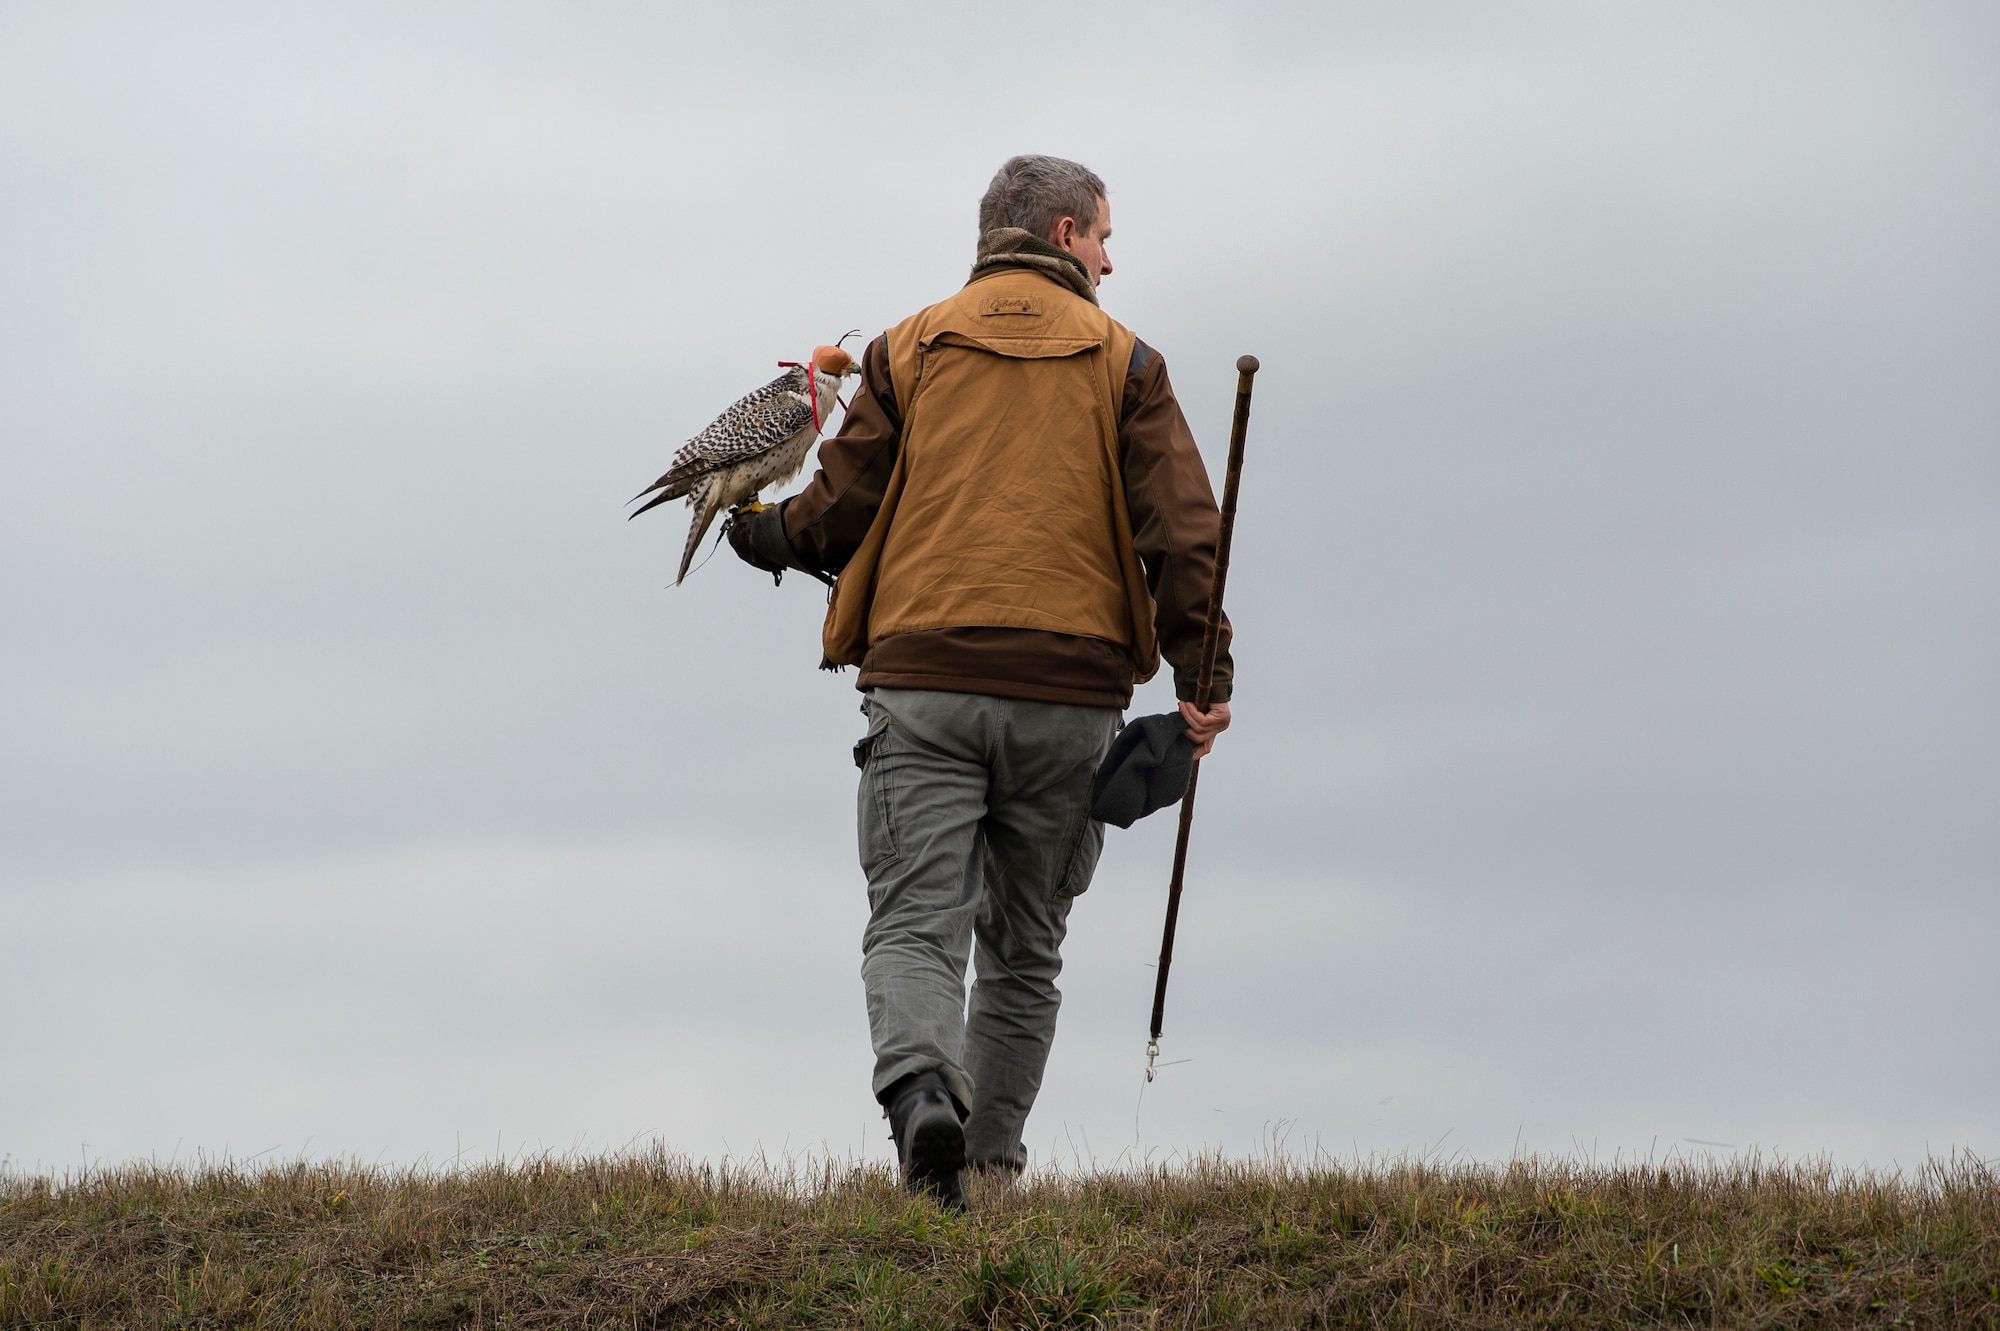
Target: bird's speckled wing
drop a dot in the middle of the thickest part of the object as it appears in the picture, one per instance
(758, 422)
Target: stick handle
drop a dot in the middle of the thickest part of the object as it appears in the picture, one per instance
(1239, 426)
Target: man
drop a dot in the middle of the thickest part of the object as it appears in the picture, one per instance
(1022, 526)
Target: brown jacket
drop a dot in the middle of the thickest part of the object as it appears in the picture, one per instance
(922, 601)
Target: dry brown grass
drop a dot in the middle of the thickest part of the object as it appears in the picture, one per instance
(654, 1241)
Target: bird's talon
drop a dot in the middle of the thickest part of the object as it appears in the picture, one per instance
(751, 507)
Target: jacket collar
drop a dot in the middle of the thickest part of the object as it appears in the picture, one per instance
(1012, 247)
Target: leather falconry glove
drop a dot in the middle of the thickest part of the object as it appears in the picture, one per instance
(758, 538)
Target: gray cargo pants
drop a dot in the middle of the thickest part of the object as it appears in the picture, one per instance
(975, 829)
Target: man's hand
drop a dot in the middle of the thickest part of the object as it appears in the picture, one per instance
(758, 538)
(1203, 727)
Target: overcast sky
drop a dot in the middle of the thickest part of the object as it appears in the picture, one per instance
(1617, 754)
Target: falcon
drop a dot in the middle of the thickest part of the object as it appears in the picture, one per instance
(762, 440)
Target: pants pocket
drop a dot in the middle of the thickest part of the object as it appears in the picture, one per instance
(1086, 843)
(875, 801)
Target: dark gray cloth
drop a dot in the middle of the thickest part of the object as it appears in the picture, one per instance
(1146, 770)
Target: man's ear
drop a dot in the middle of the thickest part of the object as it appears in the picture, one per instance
(1064, 233)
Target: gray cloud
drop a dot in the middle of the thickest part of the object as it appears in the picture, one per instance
(1617, 741)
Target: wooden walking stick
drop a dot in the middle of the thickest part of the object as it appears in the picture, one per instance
(1246, 368)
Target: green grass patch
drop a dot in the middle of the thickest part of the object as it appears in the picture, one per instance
(651, 1240)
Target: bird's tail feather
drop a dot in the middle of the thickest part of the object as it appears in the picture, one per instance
(654, 502)
(710, 505)
(670, 486)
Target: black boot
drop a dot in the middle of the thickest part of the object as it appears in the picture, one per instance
(925, 1124)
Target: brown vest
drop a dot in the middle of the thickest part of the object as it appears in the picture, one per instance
(1006, 506)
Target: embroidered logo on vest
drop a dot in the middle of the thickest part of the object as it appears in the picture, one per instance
(1009, 305)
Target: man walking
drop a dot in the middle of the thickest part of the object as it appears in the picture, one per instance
(1022, 527)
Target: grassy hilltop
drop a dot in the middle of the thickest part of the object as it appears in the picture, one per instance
(653, 1241)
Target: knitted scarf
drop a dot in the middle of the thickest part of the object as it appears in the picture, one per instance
(1010, 246)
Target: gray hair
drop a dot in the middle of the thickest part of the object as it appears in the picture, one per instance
(1034, 192)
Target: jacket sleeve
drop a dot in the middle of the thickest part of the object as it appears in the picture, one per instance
(1175, 522)
(826, 521)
